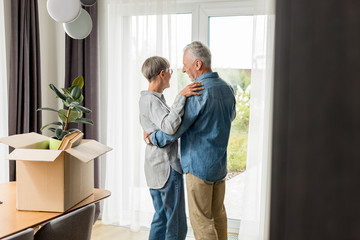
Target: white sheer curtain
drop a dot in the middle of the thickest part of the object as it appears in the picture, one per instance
(130, 32)
(254, 224)
(4, 164)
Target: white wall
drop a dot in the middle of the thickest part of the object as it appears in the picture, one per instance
(7, 19)
(52, 48)
(4, 69)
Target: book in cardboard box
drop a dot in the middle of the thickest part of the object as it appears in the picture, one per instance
(52, 180)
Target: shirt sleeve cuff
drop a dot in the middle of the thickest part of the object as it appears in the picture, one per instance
(153, 139)
(179, 100)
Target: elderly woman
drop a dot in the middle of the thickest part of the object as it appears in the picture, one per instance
(163, 170)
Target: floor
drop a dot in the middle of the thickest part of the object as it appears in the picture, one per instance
(234, 190)
(108, 232)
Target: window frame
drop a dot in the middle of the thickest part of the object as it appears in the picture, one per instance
(202, 10)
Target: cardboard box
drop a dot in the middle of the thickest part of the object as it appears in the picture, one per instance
(52, 180)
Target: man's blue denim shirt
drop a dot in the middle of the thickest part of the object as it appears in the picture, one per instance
(205, 129)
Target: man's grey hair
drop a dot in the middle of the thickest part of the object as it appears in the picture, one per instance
(200, 51)
(153, 66)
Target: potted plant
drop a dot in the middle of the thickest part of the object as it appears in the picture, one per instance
(72, 111)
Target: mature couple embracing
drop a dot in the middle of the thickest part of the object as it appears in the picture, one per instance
(201, 116)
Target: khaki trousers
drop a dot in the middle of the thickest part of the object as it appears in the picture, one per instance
(206, 208)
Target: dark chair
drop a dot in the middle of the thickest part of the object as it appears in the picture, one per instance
(27, 234)
(74, 225)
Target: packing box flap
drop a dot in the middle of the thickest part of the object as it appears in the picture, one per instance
(88, 150)
(26, 140)
(34, 155)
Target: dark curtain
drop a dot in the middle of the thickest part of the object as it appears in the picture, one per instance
(25, 76)
(81, 58)
(315, 178)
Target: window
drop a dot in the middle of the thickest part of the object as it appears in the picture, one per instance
(228, 31)
(230, 41)
(126, 43)
(184, 23)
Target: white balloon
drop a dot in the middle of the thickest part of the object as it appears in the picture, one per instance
(81, 27)
(64, 10)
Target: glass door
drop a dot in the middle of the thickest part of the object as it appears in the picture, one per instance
(230, 41)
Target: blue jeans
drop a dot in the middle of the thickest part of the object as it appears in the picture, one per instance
(169, 221)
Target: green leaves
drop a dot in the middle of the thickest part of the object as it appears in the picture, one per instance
(79, 81)
(46, 108)
(57, 92)
(80, 99)
(84, 120)
(81, 108)
(53, 123)
(76, 92)
(73, 94)
(72, 112)
(60, 133)
(66, 92)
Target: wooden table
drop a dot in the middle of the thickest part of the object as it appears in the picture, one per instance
(12, 220)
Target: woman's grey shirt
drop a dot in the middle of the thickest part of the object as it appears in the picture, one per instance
(156, 115)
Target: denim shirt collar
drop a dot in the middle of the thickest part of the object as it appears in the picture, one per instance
(207, 75)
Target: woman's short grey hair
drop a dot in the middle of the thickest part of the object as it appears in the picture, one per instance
(200, 51)
(153, 66)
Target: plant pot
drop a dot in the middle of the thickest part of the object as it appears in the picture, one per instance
(54, 143)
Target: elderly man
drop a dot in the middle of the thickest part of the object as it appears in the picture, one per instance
(204, 133)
